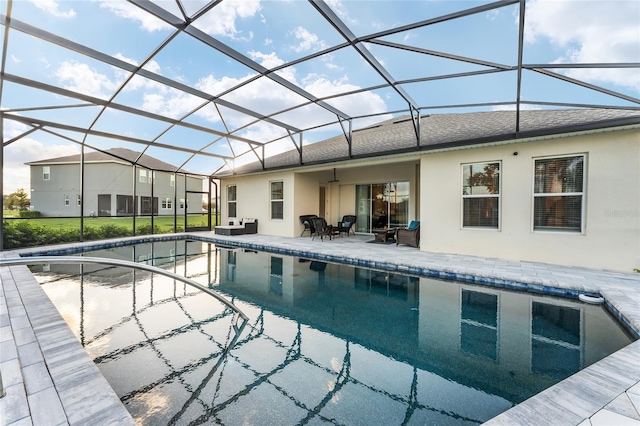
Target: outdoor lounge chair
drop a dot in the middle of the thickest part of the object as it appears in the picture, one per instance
(409, 235)
(347, 223)
(321, 229)
(305, 220)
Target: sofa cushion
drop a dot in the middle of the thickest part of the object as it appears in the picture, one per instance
(413, 225)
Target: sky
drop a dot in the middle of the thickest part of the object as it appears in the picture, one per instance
(273, 34)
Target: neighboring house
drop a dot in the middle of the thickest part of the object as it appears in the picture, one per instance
(109, 186)
(564, 189)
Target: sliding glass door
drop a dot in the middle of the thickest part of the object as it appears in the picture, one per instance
(382, 204)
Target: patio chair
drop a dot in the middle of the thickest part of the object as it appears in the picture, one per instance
(321, 229)
(409, 235)
(305, 220)
(346, 225)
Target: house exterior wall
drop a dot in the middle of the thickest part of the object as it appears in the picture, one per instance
(307, 196)
(302, 193)
(612, 203)
(254, 201)
(47, 196)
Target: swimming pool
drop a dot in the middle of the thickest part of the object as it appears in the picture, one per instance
(325, 342)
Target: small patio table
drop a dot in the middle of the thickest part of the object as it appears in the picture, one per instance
(384, 235)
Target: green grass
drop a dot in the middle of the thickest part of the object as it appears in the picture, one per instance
(28, 232)
(164, 223)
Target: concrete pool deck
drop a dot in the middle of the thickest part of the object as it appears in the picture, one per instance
(50, 379)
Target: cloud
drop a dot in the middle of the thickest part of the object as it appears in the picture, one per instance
(221, 20)
(308, 41)
(81, 78)
(16, 173)
(339, 8)
(133, 13)
(52, 7)
(354, 105)
(603, 32)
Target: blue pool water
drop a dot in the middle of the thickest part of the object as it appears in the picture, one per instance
(325, 343)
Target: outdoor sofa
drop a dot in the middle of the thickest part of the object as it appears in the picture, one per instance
(245, 226)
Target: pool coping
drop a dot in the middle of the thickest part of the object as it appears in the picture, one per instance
(583, 397)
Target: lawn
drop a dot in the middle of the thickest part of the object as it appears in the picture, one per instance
(164, 223)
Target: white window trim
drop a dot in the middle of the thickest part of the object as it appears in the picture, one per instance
(46, 173)
(78, 200)
(67, 200)
(563, 194)
(271, 200)
(167, 203)
(143, 176)
(182, 203)
(172, 180)
(235, 202)
(498, 196)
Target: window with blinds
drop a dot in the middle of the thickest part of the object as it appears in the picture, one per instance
(558, 195)
(481, 195)
(277, 200)
(232, 198)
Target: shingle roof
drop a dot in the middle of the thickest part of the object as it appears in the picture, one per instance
(115, 155)
(447, 130)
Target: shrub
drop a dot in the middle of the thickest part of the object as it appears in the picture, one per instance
(29, 213)
(113, 231)
(145, 229)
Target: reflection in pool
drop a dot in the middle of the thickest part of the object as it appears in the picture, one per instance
(325, 343)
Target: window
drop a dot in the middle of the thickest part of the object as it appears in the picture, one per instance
(275, 275)
(231, 265)
(556, 342)
(66, 200)
(172, 180)
(558, 194)
(152, 176)
(167, 203)
(481, 195)
(148, 205)
(277, 200)
(78, 199)
(46, 173)
(232, 198)
(479, 323)
(181, 203)
(143, 176)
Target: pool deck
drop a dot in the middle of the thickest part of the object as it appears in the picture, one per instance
(50, 380)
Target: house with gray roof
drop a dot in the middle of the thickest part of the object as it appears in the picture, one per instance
(117, 182)
(562, 186)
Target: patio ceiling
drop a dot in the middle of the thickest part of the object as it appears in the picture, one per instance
(211, 85)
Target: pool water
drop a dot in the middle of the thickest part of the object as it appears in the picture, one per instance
(325, 343)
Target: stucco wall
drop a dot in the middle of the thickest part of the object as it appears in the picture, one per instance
(301, 194)
(254, 201)
(612, 207)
